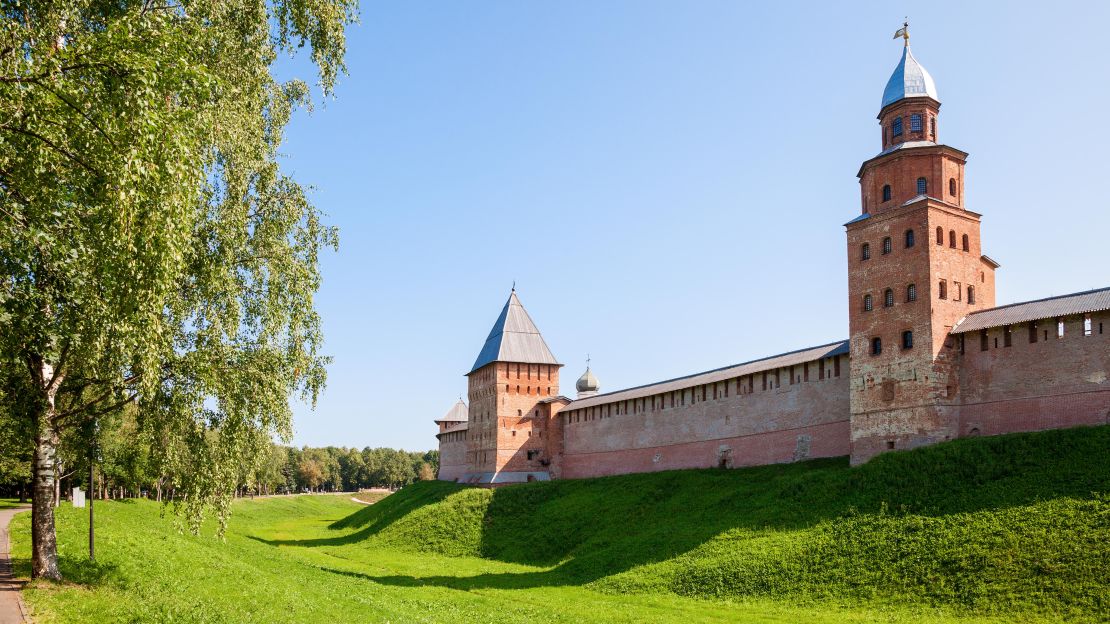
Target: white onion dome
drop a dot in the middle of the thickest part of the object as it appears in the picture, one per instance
(587, 383)
(909, 80)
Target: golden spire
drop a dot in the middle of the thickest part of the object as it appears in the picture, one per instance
(904, 32)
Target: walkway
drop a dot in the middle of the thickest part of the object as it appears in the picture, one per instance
(11, 606)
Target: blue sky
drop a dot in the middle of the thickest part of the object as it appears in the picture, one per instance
(666, 182)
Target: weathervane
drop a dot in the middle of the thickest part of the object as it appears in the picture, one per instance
(587, 361)
(904, 31)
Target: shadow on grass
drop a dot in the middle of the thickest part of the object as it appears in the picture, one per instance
(506, 580)
(591, 528)
(75, 570)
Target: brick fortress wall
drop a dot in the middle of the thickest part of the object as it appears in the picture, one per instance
(1053, 383)
(788, 421)
(452, 453)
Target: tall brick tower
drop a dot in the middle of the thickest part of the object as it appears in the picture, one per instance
(915, 268)
(514, 396)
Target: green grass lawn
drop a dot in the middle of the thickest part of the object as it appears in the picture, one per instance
(11, 503)
(1013, 529)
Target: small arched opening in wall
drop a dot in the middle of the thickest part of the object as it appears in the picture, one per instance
(724, 457)
(974, 433)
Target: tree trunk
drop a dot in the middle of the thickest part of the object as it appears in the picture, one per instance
(57, 481)
(44, 555)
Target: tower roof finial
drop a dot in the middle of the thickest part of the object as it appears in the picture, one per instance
(909, 78)
(904, 31)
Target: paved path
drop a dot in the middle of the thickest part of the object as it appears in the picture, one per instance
(11, 606)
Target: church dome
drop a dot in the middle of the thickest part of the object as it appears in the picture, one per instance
(909, 80)
(587, 384)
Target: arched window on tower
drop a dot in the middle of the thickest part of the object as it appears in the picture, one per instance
(867, 303)
(922, 186)
(876, 345)
(942, 289)
(911, 293)
(897, 126)
(970, 295)
(915, 123)
(888, 298)
(887, 245)
(909, 239)
(967, 245)
(886, 192)
(907, 339)
(952, 238)
(865, 251)
(933, 128)
(952, 186)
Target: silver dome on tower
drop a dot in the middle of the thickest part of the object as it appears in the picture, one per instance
(587, 384)
(909, 78)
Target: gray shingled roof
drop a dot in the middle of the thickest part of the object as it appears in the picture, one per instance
(1064, 305)
(514, 338)
(454, 428)
(458, 413)
(720, 374)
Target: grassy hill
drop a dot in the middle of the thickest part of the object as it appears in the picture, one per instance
(1013, 529)
(988, 525)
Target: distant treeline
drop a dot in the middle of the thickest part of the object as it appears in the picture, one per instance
(343, 469)
(125, 466)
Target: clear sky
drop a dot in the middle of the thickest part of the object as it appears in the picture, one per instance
(666, 182)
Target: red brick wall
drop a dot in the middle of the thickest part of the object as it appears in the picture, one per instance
(902, 397)
(928, 108)
(773, 447)
(790, 422)
(1049, 384)
(507, 418)
(522, 419)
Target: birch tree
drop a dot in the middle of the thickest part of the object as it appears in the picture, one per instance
(151, 250)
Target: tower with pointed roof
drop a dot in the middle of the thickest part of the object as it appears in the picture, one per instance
(452, 442)
(513, 388)
(915, 268)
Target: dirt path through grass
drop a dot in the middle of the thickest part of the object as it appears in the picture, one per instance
(11, 607)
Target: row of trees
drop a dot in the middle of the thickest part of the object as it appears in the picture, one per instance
(344, 469)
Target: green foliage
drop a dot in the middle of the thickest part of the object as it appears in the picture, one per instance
(15, 451)
(333, 469)
(151, 250)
